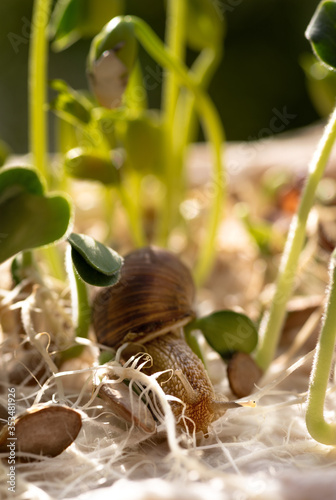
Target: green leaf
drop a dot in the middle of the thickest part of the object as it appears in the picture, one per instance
(70, 105)
(64, 24)
(73, 19)
(85, 165)
(30, 221)
(118, 36)
(228, 331)
(95, 263)
(14, 180)
(321, 32)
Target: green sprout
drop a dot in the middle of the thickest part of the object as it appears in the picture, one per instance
(153, 143)
(32, 217)
(322, 35)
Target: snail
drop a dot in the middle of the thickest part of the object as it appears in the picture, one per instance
(147, 309)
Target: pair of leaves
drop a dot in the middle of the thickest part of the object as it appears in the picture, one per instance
(227, 332)
(30, 218)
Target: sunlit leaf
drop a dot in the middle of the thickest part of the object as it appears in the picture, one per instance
(228, 331)
(14, 180)
(95, 263)
(30, 221)
(321, 32)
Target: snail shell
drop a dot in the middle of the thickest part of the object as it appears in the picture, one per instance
(155, 294)
(147, 309)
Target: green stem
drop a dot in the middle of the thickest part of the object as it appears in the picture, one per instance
(272, 322)
(318, 428)
(107, 194)
(82, 310)
(37, 86)
(38, 130)
(176, 14)
(202, 70)
(175, 43)
(214, 131)
(134, 216)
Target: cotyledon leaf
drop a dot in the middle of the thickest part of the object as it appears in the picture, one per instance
(227, 331)
(95, 263)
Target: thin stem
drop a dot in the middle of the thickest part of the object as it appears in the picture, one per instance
(202, 70)
(107, 194)
(134, 216)
(81, 310)
(38, 130)
(176, 14)
(214, 131)
(318, 428)
(37, 86)
(185, 121)
(175, 43)
(273, 320)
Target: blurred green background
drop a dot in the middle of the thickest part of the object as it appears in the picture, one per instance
(260, 71)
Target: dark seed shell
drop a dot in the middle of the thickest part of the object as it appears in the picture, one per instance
(45, 431)
(154, 295)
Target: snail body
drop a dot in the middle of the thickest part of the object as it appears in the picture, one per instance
(189, 380)
(147, 309)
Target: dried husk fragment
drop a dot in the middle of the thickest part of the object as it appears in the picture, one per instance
(127, 406)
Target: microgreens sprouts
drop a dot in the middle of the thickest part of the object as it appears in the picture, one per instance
(213, 128)
(271, 325)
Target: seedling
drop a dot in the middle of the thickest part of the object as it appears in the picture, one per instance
(322, 35)
(108, 131)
